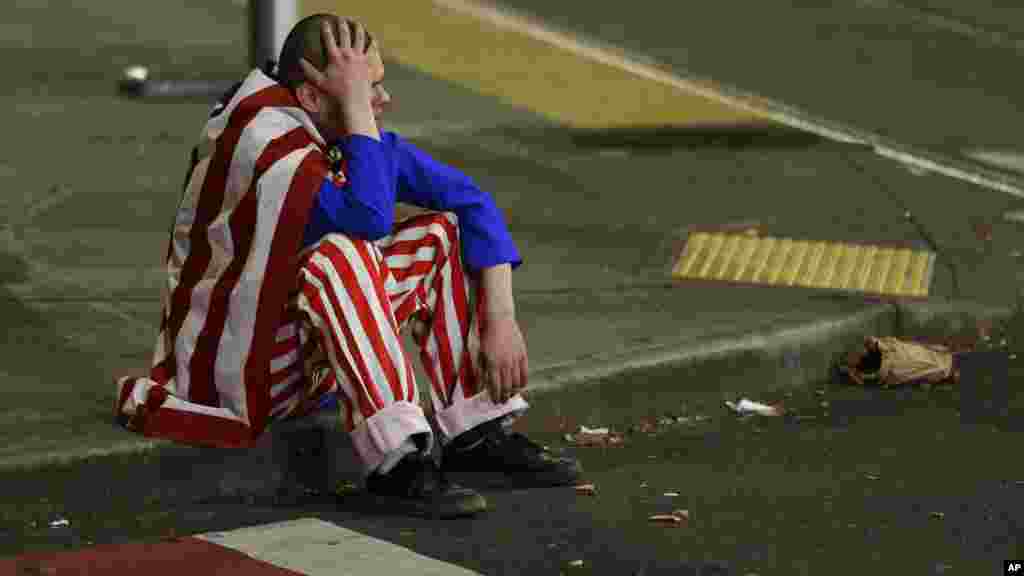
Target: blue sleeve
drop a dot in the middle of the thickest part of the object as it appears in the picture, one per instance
(425, 182)
(364, 205)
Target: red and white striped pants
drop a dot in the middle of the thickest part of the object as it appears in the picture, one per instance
(341, 336)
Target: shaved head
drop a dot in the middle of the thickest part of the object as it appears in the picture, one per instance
(304, 41)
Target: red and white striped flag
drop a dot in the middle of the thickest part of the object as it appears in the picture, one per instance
(232, 264)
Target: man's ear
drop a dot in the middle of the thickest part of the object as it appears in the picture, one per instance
(308, 98)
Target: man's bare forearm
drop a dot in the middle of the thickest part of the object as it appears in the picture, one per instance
(497, 286)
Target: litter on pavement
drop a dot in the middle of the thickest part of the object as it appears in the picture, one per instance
(676, 517)
(60, 523)
(667, 518)
(586, 489)
(746, 406)
(594, 437)
(892, 362)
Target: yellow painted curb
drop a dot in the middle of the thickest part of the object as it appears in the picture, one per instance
(537, 69)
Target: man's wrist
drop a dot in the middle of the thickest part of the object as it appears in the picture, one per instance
(497, 286)
(358, 118)
(501, 314)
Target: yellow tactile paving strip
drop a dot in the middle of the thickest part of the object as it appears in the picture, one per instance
(525, 71)
(746, 259)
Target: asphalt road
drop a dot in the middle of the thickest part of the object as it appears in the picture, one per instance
(934, 73)
(849, 481)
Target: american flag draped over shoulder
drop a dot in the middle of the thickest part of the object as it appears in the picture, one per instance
(231, 263)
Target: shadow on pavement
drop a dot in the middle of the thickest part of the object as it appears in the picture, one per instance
(661, 137)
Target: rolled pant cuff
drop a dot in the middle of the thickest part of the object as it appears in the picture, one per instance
(474, 411)
(385, 431)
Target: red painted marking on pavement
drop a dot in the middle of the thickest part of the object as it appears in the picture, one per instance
(190, 556)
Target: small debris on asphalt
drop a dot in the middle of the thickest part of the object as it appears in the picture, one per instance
(682, 419)
(983, 231)
(938, 515)
(644, 484)
(872, 476)
(676, 517)
(593, 437)
(60, 523)
(666, 518)
(890, 361)
(671, 494)
(586, 490)
(746, 406)
(646, 426)
(576, 563)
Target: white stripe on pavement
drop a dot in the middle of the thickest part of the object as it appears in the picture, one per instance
(318, 548)
(1006, 159)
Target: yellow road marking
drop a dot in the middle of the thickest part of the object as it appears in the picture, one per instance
(530, 66)
(872, 269)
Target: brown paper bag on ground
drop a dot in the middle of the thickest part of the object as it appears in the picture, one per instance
(892, 362)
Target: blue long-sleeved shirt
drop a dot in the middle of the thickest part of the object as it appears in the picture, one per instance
(380, 173)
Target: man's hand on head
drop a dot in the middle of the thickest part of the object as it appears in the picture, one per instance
(346, 77)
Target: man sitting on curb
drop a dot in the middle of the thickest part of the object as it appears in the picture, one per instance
(289, 280)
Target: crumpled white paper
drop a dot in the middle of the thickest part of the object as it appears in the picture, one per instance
(747, 406)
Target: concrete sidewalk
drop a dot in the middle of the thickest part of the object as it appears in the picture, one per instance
(596, 223)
